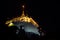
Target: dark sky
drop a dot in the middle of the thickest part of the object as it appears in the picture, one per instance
(34, 9)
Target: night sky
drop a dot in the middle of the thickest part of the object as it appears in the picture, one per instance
(39, 11)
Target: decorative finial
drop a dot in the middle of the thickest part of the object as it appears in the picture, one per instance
(23, 11)
(22, 6)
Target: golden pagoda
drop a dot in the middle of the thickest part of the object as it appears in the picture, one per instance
(22, 18)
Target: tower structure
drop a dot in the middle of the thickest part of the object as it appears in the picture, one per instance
(22, 18)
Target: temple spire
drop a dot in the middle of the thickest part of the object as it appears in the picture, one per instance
(23, 11)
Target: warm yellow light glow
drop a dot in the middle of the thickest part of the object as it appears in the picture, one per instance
(22, 18)
(11, 24)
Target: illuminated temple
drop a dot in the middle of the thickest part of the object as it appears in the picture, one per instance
(22, 18)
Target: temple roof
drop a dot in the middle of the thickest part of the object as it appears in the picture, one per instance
(22, 18)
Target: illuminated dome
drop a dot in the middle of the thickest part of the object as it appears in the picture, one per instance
(25, 23)
(22, 18)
